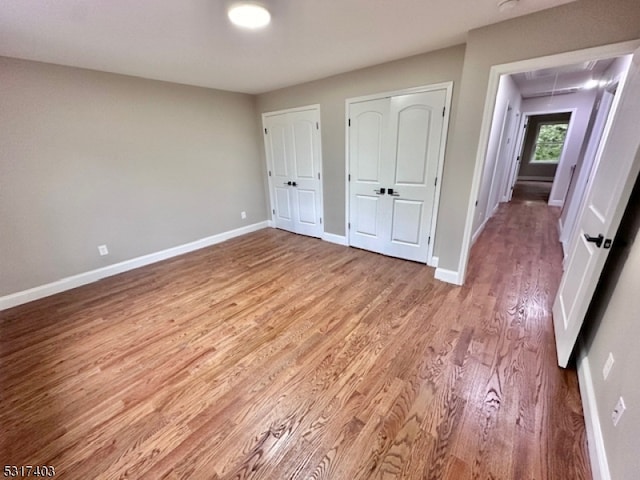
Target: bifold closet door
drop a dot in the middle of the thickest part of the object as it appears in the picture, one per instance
(292, 143)
(394, 147)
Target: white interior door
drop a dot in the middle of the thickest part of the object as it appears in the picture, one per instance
(607, 194)
(369, 169)
(394, 152)
(278, 149)
(294, 162)
(416, 127)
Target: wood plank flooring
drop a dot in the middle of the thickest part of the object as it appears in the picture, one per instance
(276, 356)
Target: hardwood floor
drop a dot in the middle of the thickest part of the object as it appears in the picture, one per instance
(533, 191)
(276, 356)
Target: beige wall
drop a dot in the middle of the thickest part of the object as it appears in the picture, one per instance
(331, 93)
(578, 25)
(93, 158)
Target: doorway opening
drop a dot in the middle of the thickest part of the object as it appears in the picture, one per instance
(547, 126)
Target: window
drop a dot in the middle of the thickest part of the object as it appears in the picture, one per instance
(549, 142)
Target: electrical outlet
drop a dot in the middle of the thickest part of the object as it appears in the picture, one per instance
(103, 250)
(618, 411)
(243, 215)
(607, 366)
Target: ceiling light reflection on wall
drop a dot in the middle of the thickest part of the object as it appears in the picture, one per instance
(593, 83)
(249, 15)
(504, 5)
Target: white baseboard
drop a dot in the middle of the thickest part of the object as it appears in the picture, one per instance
(479, 231)
(333, 238)
(434, 261)
(533, 178)
(74, 281)
(595, 441)
(559, 227)
(556, 203)
(449, 276)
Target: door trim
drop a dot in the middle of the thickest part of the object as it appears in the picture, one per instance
(448, 87)
(556, 60)
(265, 115)
(563, 155)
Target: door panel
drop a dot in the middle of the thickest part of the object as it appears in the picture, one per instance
(366, 221)
(615, 171)
(307, 206)
(407, 220)
(284, 214)
(303, 148)
(279, 150)
(412, 145)
(368, 139)
(294, 159)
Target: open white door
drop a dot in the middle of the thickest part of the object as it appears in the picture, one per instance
(606, 196)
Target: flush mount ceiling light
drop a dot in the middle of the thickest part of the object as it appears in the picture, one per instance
(249, 15)
(504, 5)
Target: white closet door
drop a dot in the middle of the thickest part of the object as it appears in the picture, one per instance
(278, 146)
(416, 124)
(394, 150)
(305, 172)
(293, 150)
(369, 169)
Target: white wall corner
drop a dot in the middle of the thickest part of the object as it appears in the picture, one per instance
(434, 261)
(595, 440)
(62, 285)
(333, 238)
(449, 276)
(271, 224)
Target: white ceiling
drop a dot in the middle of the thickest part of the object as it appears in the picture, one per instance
(565, 79)
(192, 41)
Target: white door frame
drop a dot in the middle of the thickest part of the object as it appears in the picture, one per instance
(550, 61)
(561, 162)
(448, 87)
(272, 202)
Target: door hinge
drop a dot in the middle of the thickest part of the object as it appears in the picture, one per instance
(318, 175)
(435, 183)
(269, 172)
(444, 109)
(265, 131)
(349, 177)
(349, 122)
(274, 211)
(320, 220)
(317, 126)
(429, 241)
(476, 203)
(349, 225)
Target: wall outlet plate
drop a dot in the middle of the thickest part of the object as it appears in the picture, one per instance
(103, 250)
(243, 215)
(607, 366)
(618, 411)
